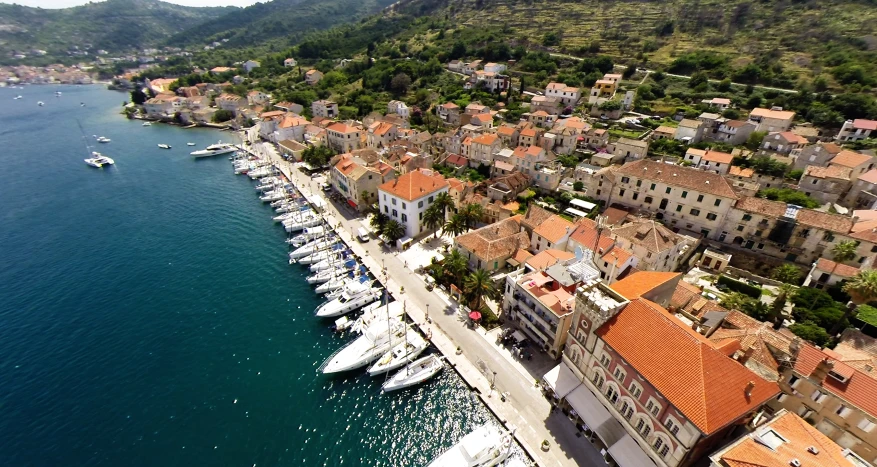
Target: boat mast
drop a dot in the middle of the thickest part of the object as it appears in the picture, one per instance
(88, 150)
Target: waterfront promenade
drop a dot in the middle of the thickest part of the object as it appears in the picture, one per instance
(498, 379)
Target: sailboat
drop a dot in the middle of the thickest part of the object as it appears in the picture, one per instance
(402, 354)
(96, 159)
(414, 373)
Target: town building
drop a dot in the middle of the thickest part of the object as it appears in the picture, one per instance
(814, 154)
(250, 65)
(568, 95)
(771, 120)
(407, 197)
(290, 62)
(449, 113)
(826, 273)
(714, 161)
(312, 77)
(324, 108)
(783, 142)
(358, 179)
(734, 132)
(825, 184)
(343, 137)
(689, 131)
(652, 246)
(492, 247)
(863, 192)
(855, 130)
(399, 108)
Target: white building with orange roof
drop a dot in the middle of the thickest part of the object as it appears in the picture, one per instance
(771, 120)
(312, 77)
(654, 391)
(825, 184)
(358, 179)
(343, 137)
(855, 130)
(290, 127)
(231, 102)
(483, 147)
(256, 97)
(568, 95)
(714, 161)
(825, 273)
(552, 233)
(380, 134)
(449, 113)
(783, 142)
(163, 105)
(653, 246)
(857, 163)
(863, 193)
(407, 197)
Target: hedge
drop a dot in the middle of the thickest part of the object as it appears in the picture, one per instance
(742, 287)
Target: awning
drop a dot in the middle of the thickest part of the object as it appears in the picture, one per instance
(518, 336)
(595, 415)
(351, 203)
(513, 262)
(575, 212)
(561, 380)
(582, 204)
(627, 453)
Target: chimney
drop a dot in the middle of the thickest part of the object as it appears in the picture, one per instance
(749, 387)
(822, 368)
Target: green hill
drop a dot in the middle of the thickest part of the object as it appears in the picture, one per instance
(287, 19)
(112, 25)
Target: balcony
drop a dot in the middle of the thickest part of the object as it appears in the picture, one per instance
(547, 321)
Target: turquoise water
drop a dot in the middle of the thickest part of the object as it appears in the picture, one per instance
(148, 316)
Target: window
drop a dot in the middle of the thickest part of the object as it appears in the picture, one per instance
(604, 360)
(621, 193)
(718, 202)
(866, 425)
(668, 190)
(695, 212)
(619, 373)
(672, 426)
(598, 380)
(711, 217)
(758, 233)
(419, 204)
(652, 187)
(625, 179)
(404, 217)
(739, 228)
(653, 407)
(684, 194)
(793, 381)
(626, 410)
(747, 217)
(643, 428)
(818, 396)
(612, 394)
(699, 198)
(843, 411)
(679, 208)
(639, 183)
(648, 200)
(394, 201)
(664, 451)
(829, 237)
(420, 216)
(395, 213)
(782, 397)
(431, 199)
(635, 196)
(635, 390)
(386, 210)
(659, 443)
(404, 206)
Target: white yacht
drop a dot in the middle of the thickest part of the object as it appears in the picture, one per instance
(307, 235)
(103, 139)
(336, 283)
(164, 146)
(147, 123)
(275, 195)
(99, 160)
(215, 150)
(190, 144)
(290, 205)
(415, 373)
(486, 446)
(16, 98)
(41, 103)
(328, 274)
(312, 247)
(292, 213)
(261, 172)
(317, 256)
(373, 313)
(308, 220)
(402, 354)
(355, 296)
(373, 343)
(330, 262)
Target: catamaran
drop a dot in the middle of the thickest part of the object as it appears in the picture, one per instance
(486, 446)
(373, 343)
(354, 296)
(414, 373)
(402, 354)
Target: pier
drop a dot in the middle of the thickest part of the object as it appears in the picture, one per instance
(509, 392)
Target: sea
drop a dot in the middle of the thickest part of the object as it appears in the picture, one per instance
(149, 317)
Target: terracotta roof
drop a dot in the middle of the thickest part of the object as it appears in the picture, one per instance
(808, 217)
(792, 137)
(458, 160)
(634, 286)
(721, 100)
(548, 258)
(850, 159)
(865, 230)
(869, 176)
(482, 118)
(616, 256)
(290, 121)
(759, 344)
(506, 130)
(651, 235)
(709, 388)
(497, 240)
(666, 129)
(487, 139)
(450, 106)
(614, 216)
(861, 124)
(777, 114)
(734, 123)
(798, 436)
(741, 172)
(535, 151)
(831, 267)
(832, 171)
(683, 177)
(553, 229)
(535, 216)
(585, 234)
(528, 132)
(859, 389)
(415, 185)
(342, 128)
(716, 156)
(345, 166)
(540, 113)
(559, 300)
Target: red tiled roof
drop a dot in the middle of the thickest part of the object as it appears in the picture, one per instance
(457, 160)
(548, 258)
(487, 139)
(716, 156)
(829, 266)
(506, 131)
(634, 286)
(869, 176)
(832, 171)
(850, 159)
(553, 229)
(415, 185)
(777, 114)
(793, 138)
(809, 217)
(709, 388)
(859, 389)
(865, 124)
(684, 177)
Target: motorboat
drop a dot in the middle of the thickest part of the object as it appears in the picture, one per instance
(164, 146)
(58, 93)
(147, 123)
(309, 219)
(402, 354)
(486, 446)
(99, 160)
(103, 139)
(331, 273)
(307, 235)
(373, 343)
(312, 247)
(371, 314)
(16, 98)
(41, 103)
(355, 296)
(190, 144)
(215, 150)
(269, 183)
(415, 373)
(320, 255)
(291, 205)
(93, 162)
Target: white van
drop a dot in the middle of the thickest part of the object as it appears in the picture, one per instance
(362, 234)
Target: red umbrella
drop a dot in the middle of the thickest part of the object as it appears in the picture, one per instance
(475, 315)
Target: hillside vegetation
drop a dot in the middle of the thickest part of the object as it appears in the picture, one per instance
(287, 19)
(112, 25)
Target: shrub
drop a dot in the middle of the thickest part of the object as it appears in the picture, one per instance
(742, 287)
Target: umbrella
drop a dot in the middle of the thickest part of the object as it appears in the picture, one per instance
(475, 315)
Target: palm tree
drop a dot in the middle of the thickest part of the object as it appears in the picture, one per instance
(393, 231)
(455, 265)
(433, 218)
(862, 288)
(456, 226)
(472, 213)
(378, 221)
(779, 305)
(444, 201)
(479, 286)
(844, 251)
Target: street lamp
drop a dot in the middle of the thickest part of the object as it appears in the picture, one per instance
(492, 385)
(427, 313)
